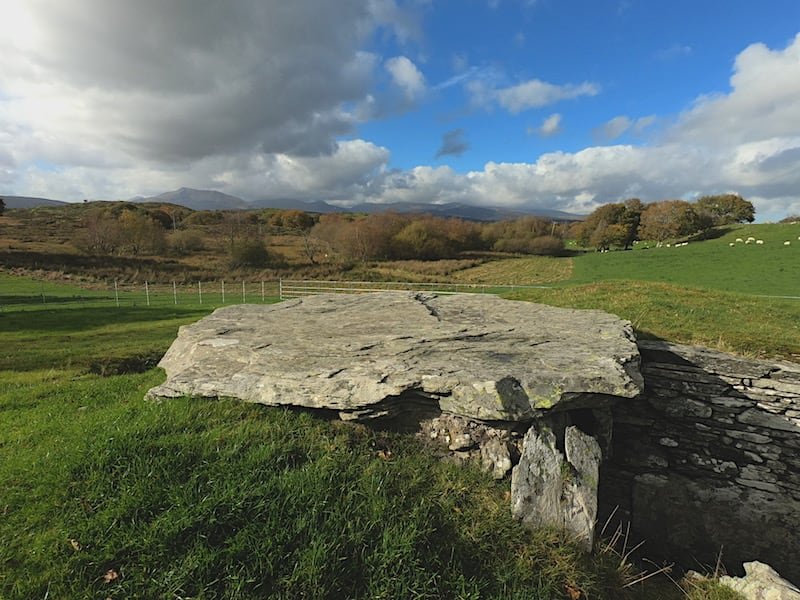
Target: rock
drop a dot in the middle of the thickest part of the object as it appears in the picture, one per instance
(761, 582)
(374, 356)
(496, 458)
(549, 489)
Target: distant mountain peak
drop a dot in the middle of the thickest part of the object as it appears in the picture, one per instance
(199, 199)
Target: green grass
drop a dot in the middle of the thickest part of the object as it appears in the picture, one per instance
(769, 269)
(531, 270)
(746, 325)
(105, 495)
(226, 500)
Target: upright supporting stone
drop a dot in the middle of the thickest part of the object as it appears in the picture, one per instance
(549, 489)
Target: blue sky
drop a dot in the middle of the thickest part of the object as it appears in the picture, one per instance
(646, 58)
(561, 104)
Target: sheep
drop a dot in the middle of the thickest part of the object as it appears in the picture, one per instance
(747, 242)
(759, 241)
(787, 243)
(740, 240)
(731, 244)
(751, 239)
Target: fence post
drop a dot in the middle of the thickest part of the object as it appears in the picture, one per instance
(262, 290)
(243, 293)
(147, 292)
(116, 293)
(223, 291)
(174, 292)
(280, 288)
(200, 291)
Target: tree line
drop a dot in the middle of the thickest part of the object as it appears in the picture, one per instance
(620, 224)
(392, 236)
(129, 229)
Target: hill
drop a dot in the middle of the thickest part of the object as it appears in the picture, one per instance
(214, 200)
(198, 199)
(29, 202)
(771, 268)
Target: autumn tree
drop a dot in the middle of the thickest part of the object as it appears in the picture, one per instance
(292, 220)
(140, 234)
(614, 224)
(668, 219)
(725, 209)
(424, 238)
(99, 235)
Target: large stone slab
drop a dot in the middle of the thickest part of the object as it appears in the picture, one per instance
(369, 355)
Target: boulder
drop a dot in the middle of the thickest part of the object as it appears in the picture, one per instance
(378, 356)
(761, 582)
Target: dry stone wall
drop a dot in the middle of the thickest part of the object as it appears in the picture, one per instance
(708, 459)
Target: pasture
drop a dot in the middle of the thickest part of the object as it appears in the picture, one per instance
(105, 495)
(770, 268)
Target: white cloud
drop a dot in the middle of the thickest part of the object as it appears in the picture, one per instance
(250, 100)
(764, 101)
(536, 93)
(550, 126)
(614, 128)
(406, 76)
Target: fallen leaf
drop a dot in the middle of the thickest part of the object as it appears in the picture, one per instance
(573, 592)
(111, 575)
(76, 545)
(385, 454)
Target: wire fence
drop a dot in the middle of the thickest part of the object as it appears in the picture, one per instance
(196, 294)
(223, 292)
(296, 288)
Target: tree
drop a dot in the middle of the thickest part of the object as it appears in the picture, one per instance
(614, 224)
(424, 239)
(249, 252)
(668, 219)
(2, 206)
(100, 234)
(725, 209)
(139, 234)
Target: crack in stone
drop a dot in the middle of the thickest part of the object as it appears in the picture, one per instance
(424, 301)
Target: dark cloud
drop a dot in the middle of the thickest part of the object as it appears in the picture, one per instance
(190, 78)
(454, 143)
(787, 159)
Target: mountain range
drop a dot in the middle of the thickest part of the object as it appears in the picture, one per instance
(213, 200)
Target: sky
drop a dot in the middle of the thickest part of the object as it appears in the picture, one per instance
(524, 104)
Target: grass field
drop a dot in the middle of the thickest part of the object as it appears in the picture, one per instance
(768, 269)
(105, 495)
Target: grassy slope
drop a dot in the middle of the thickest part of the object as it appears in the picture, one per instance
(769, 269)
(743, 324)
(705, 293)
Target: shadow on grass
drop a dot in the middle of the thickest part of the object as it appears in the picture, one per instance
(36, 299)
(91, 317)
